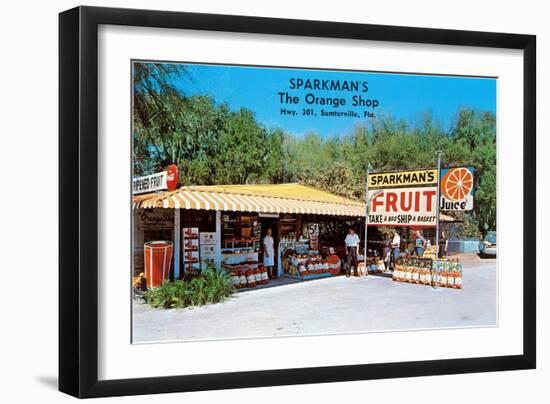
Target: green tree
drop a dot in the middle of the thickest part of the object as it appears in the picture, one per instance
(243, 150)
(474, 136)
(338, 179)
(187, 134)
(276, 158)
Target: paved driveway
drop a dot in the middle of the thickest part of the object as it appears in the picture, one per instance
(331, 305)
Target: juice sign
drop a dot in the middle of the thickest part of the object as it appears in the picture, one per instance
(403, 206)
(457, 189)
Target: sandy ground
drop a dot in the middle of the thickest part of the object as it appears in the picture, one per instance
(331, 305)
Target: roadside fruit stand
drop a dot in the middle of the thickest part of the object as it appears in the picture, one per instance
(234, 220)
(310, 266)
(224, 227)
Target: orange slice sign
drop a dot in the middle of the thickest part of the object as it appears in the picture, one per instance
(457, 183)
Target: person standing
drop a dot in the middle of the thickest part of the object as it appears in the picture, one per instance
(269, 259)
(420, 244)
(386, 251)
(395, 245)
(442, 245)
(352, 245)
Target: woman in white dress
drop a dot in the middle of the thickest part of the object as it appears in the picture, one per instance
(269, 259)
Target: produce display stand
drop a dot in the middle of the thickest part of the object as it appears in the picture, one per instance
(240, 259)
(245, 277)
(240, 250)
(375, 265)
(191, 254)
(426, 271)
(311, 266)
(414, 270)
(207, 249)
(285, 246)
(448, 273)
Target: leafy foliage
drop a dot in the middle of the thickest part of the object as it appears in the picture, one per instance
(213, 145)
(211, 286)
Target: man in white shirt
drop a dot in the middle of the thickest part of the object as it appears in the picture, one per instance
(352, 245)
(395, 244)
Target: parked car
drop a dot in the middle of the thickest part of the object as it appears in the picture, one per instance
(488, 246)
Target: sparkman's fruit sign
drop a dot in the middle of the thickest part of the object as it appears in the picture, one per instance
(403, 206)
(408, 198)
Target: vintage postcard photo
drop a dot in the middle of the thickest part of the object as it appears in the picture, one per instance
(272, 201)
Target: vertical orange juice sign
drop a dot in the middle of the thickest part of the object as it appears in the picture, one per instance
(457, 189)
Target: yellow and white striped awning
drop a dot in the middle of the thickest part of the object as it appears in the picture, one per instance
(281, 198)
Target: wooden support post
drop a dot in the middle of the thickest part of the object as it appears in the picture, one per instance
(177, 243)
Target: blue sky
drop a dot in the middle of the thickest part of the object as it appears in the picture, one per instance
(404, 96)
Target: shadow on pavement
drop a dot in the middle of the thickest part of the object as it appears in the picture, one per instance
(382, 274)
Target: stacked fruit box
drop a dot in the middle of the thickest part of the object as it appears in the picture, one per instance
(443, 273)
(448, 273)
(413, 270)
(430, 252)
(249, 278)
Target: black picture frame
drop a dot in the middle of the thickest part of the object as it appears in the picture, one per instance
(78, 195)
